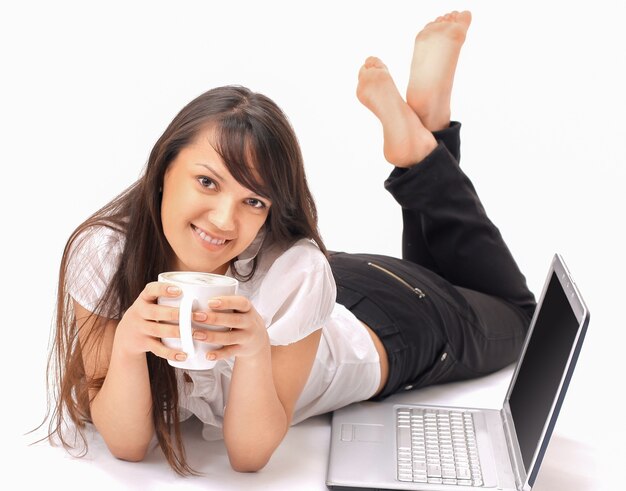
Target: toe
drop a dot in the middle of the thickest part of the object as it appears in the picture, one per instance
(374, 62)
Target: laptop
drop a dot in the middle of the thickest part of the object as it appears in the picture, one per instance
(390, 445)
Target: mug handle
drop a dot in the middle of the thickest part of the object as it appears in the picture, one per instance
(184, 324)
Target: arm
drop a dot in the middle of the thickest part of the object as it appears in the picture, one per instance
(121, 409)
(265, 385)
(262, 398)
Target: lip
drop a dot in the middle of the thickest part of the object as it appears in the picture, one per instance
(200, 235)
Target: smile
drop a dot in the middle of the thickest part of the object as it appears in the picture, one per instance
(206, 237)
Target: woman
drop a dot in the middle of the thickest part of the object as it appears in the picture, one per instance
(224, 191)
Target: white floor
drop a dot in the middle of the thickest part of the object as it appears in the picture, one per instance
(571, 462)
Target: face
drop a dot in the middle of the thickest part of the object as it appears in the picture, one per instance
(208, 217)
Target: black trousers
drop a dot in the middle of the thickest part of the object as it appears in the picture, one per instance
(456, 305)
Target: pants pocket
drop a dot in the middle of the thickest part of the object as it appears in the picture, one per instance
(446, 368)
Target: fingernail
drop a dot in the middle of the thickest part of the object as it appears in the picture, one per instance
(180, 356)
(199, 335)
(174, 290)
(215, 302)
(199, 316)
(211, 356)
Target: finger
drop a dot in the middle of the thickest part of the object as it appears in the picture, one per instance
(157, 289)
(156, 312)
(161, 330)
(234, 320)
(231, 302)
(225, 338)
(223, 353)
(165, 313)
(159, 349)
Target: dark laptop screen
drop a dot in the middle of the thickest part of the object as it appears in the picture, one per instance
(543, 367)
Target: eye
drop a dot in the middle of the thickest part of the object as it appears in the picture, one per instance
(256, 203)
(206, 182)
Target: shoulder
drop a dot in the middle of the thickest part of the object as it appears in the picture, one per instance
(92, 260)
(297, 291)
(303, 255)
(291, 268)
(97, 239)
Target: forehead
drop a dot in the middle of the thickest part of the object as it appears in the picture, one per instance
(236, 149)
(230, 164)
(204, 140)
(197, 153)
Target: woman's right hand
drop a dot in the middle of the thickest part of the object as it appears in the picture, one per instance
(145, 322)
(121, 406)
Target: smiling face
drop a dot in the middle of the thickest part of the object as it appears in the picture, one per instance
(208, 217)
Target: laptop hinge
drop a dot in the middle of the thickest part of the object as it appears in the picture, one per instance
(512, 445)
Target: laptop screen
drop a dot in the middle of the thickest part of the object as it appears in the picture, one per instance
(542, 368)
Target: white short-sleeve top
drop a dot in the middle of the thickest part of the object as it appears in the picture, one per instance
(294, 292)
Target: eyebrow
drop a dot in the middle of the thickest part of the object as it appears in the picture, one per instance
(207, 166)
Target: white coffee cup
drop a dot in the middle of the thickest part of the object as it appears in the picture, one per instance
(196, 291)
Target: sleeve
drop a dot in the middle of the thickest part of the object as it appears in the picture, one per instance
(297, 295)
(93, 260)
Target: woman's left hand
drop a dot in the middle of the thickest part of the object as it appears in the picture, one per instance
(247, 336)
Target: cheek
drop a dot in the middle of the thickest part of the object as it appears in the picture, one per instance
(177, 202)
(253, 226)
(173, 211)
(166, 213)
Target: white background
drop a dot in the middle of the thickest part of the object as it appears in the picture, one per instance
(88, 87)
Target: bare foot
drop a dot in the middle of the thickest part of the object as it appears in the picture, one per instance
(435, 57)
(406, 141)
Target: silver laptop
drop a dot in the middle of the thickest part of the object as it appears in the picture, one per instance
(387, 445)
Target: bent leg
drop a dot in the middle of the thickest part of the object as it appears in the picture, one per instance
(413, 244)
(466, 247)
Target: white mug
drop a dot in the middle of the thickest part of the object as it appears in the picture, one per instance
(196, 291)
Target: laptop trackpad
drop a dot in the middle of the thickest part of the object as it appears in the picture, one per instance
(361, 433)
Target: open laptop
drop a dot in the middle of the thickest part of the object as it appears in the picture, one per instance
(387, 445)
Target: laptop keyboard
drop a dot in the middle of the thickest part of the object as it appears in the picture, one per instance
(437, 446)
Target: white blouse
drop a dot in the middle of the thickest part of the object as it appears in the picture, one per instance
(294, 292)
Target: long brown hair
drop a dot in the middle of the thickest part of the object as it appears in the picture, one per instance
(260, 150)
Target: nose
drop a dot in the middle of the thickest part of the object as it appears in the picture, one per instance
(222, 215)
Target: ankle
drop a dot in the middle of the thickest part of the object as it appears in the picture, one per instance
(422, 143)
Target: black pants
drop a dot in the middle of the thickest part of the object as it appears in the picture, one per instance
(456, 305)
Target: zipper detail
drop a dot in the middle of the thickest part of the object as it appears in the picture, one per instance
(414, 289)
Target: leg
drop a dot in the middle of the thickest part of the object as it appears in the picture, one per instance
(445, 226)
(414, 246)
(464, 244)
(432, 332)
(469, 319)
(406, 140)
(435, 55)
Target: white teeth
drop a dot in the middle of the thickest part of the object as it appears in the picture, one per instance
(208, 238)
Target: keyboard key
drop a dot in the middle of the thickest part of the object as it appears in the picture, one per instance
(448, 472)
(434, 470)
(405, 477)
(404, 438)
(420, 477)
